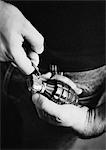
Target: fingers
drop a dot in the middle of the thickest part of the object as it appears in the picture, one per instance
(69, 82)
(19, 56)
(14, 26)
(34, 59)
(44, 103)
(34, 37)
(47, 75)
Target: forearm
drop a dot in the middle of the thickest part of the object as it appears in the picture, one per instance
(89, 81)
(91, 121)
(95, 121)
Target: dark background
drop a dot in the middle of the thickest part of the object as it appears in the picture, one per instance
(74, 32)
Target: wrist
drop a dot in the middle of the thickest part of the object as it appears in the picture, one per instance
(93, 125)
(81, 119)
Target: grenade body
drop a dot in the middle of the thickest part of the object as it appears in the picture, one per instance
(55, 90)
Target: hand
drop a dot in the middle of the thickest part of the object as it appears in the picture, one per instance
(13, 28)
(67, 115)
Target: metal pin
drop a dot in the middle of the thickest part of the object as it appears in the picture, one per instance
(36, 71)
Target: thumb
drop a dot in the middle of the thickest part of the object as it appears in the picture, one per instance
(45, 104)
(34, 58)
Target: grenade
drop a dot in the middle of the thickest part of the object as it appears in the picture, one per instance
(55, 90)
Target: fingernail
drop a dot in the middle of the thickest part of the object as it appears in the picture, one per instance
(78, 91)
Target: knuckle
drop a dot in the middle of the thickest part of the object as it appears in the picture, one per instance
(15, 10)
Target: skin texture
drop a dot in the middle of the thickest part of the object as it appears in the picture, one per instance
(14, 27)
(87, 122)
(90, 80)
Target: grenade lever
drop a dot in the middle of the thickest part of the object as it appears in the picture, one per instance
(34, 81)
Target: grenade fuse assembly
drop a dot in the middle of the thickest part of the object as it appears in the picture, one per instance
(55, 90)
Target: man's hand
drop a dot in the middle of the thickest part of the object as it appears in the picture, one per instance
(13, 28)
(80, 118)
(67, 115)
